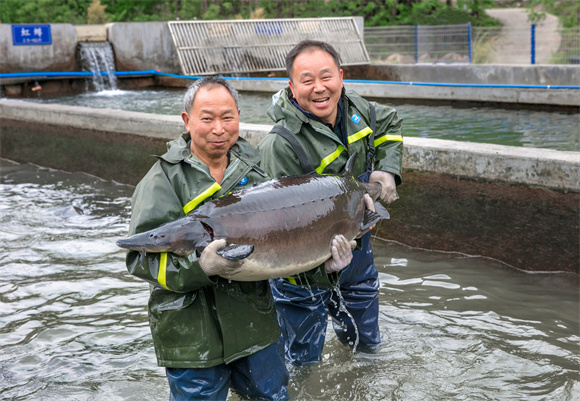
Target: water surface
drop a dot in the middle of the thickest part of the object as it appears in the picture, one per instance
(73, 322)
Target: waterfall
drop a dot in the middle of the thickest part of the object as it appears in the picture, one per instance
(96, 57)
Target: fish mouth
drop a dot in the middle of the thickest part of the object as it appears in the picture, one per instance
(135, 245)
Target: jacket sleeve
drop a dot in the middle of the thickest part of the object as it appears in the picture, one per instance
(389, 141)
(154, 203)
(278, 159)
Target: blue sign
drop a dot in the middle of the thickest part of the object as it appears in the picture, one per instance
(24, 35)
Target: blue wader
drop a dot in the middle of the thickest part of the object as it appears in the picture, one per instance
(303, 311)
(256, 376)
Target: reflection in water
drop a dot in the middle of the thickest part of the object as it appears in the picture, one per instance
(73, 322)
(537, 129)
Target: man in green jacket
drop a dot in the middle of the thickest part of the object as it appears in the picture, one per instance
(319, 125)
(210, 334)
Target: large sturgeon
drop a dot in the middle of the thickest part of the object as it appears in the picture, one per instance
(281, 227)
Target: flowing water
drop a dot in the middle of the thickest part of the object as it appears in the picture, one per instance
(537, 129)
(73, 322)
(96, 57)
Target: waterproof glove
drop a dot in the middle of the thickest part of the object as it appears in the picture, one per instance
(213, 264)
(387, 181)
(341, 250)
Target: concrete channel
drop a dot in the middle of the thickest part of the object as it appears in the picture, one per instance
(519, 206)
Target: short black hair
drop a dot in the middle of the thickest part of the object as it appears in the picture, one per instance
(310, 45)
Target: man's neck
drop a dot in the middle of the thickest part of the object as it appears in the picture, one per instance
(217, 166)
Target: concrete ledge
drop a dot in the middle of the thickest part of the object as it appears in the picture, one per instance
(545, 168)
(91, 33)
(542, 168)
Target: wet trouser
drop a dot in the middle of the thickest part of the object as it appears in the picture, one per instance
(303, 311)
(262, 376)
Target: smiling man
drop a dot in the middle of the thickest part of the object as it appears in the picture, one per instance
(319, 125)
(211, 334)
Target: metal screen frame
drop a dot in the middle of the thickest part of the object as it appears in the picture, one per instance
(246, 46)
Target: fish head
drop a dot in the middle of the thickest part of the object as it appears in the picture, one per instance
(181, 237)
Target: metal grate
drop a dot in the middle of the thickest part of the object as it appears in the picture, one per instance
(244, 46)
(419, 44)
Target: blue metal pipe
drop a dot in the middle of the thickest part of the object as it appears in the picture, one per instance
(37, 75)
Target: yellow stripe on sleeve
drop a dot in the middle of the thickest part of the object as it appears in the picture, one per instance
(385, 138)
(162, 276)
(361, 134)
(201, 197)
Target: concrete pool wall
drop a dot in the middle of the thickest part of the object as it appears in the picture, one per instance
(520, 206)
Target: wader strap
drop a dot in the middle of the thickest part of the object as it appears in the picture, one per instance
(371, 149)
(303, 158)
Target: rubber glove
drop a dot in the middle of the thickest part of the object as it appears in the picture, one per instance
(387, 181)
(341, 250)
(213, 264)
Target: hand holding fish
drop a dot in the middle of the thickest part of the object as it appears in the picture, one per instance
(387, 181)
(370, 205)
(341, 250)
(213, 264)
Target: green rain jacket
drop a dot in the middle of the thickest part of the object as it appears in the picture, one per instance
(197, 321)
(325, 150)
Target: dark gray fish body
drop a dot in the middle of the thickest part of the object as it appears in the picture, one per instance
(281, 227)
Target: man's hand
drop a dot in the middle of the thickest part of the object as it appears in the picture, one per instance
(341, 250)
(387, 181)
(370, 205)
(213, 264)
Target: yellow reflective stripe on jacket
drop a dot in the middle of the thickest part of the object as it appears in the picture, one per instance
(361, 134)
(334, 155)
(162, 275)
(386, 138)
(330, 158)
(291, 280)
(201, 197)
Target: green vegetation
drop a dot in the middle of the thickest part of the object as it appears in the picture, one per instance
(375, 12)
(568, 11)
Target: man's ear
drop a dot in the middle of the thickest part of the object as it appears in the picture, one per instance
(185, 118)
(291, 87)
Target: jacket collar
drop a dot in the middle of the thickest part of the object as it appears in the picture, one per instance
(178, 150)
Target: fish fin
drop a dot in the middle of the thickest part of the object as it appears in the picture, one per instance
(236, 252)
(380, 209)
(371, 218)
(349, 163)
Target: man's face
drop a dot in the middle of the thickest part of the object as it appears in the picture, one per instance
(316, 84)
(213, 123)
